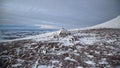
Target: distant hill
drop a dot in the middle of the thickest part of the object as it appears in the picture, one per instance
(114, 23)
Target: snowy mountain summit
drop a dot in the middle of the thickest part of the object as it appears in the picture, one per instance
(114, 23)
(94, 47)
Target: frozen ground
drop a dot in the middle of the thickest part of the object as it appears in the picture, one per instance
(95, 48)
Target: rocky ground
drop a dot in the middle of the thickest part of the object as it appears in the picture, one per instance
(95, 48)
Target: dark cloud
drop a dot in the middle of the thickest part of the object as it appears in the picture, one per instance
(62, 13)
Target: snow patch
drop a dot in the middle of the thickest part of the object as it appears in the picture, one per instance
(16, 65)
(54, 61)
(88, 40)
(103, 61)
(70, 59)
(20, 60)
(68, 44)
(90, 62)
(114, 23)
(79, 67)
(35, 65)
(44, 66)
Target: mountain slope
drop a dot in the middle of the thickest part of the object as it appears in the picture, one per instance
(97, 48)
(114, 23)
(91, 48)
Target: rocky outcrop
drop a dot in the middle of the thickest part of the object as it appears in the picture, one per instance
(63, 32)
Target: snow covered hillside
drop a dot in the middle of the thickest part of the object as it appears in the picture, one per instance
(95, 48)
(114, 23)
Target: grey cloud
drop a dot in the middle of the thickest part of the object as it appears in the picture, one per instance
(66, 13)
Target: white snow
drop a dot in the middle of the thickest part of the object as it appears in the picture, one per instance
(44, 52)
(70, 59)
(79, 47)
(85, 39)
(61, 52)
(16, 65)
(20, 60)
(17, 50)
(90, 62)
(103, 61)
(97, 52)
(54, 61)
(90, 56)
(44, 66)
(110, 41)
(88, 40)
(114, 23)
(68, 43)
(36, 63)
(79, 67)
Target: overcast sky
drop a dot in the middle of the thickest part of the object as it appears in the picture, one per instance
(58, 13)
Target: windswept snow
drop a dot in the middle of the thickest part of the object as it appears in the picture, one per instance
(94, 48)
(16, 65)
(90, 62)
(79, 67)
(88, 41)
(114, 23)
(44, 66)
(70, 59)
(36, 63)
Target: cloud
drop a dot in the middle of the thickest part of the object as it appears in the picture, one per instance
(62, 13)
(46, 26)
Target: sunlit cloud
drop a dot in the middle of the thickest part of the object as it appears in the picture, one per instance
(47, 26)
